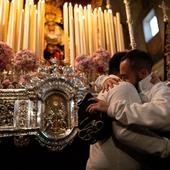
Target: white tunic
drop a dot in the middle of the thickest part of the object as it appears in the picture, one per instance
(154, 113)
(107, 155)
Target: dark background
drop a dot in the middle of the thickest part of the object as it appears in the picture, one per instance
(35, 156)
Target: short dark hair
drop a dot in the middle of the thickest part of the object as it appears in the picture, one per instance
(114, 62)
(139, 59)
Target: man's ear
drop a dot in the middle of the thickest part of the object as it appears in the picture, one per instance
(143, 73)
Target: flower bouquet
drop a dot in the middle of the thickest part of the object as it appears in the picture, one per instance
(25, 60)
(25, 65)
(6, 56)
(101, 61)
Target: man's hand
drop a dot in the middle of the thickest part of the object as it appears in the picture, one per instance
(155, 79)
(99, 106)
(109, 83)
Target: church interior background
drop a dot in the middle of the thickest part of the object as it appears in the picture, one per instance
(56, 33)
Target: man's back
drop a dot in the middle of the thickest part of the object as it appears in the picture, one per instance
(110, 154)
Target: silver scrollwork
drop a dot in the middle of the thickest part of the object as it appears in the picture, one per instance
(46, 108)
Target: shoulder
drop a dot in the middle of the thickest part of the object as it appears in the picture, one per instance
(125, 86)
(161, 86)
(123, 89)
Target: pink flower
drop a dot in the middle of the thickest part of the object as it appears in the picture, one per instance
(101, 60)
(6, 56)
(25, 60)
(6, 83)
(24, 79)
(84, 63)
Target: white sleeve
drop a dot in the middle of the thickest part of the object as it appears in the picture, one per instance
(123, 93)
(132, 136)
(99, 81)
(154, 114)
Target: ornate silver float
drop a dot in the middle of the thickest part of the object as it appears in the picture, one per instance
(46, 107)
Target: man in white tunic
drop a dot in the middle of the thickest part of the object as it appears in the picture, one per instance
(111, 154)
(154, 113)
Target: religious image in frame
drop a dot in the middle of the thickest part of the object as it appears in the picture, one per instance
(54, 33)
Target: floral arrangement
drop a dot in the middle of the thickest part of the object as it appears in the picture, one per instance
(25, 60)
(6, 83)
(6, 56)
(83, 63)
(101, 60)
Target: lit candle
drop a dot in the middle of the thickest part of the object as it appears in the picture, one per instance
(118, 31)
(20, 31)
(71, 33)
(31, 33)
(66, 50)
(35, 29)
(5, 20)
(12, 25)
(122, 39)
(77, 29)
(90, 29)
(42, 29)
(95, 38)
(1, 18)
(102, 30)
(9, 25)
(38, 31)
(111, 32)
(86, 30)
(83, 35)
(26, 26)
(116, 35)
(106, 30)
(99, 28)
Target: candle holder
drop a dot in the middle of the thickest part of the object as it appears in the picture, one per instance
(130, 23)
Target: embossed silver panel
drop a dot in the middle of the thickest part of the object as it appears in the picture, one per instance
(46, 107)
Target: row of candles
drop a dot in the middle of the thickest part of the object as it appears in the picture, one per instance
(86, 30)
(22, 25)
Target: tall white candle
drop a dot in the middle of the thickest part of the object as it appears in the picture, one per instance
(66, 47)
(71, 33)
(106, 30)
(42, 30)
(12, 26)
(90, 28)
(111, 31)
(116, 33)
(99, 28)
(118, 29)
(32, 27)
(1, 18)
(26, 26)
(5, 20)
(81, 30)
(77, 30)
(95, 37)
(102, 30)
(86, 30)
(20, 31)
(9, 25)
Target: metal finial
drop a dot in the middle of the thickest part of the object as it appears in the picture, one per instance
(164, 9)
(108, 5)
